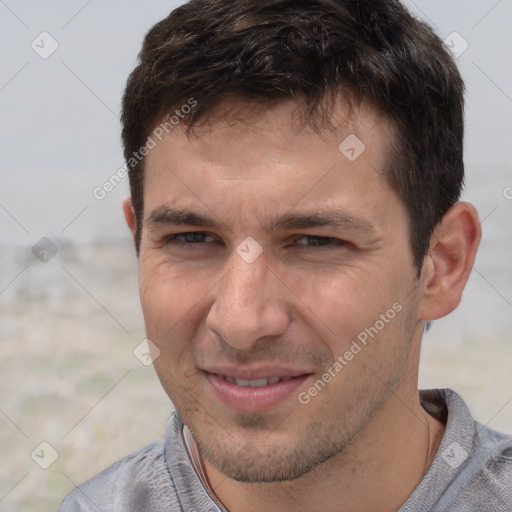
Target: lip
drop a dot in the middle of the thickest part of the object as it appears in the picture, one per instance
(248, 398)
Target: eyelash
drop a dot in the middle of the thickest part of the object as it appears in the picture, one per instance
(173, 239)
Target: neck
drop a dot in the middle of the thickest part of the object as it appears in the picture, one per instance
(378, 471)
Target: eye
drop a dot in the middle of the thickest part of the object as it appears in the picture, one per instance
(320, 241)
(191, 237)
(198, 237)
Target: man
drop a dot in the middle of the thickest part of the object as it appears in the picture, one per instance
(295, 168)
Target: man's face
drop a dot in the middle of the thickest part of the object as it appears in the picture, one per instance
(290, 301)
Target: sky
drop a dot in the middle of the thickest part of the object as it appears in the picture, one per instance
(64, 66)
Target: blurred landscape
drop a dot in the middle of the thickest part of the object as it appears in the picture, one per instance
(68, 374)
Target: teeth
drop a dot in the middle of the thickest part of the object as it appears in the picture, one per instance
(256, 383)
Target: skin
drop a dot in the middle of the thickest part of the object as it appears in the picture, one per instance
(299, 304)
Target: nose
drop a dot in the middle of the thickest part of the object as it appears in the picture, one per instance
(250, 304)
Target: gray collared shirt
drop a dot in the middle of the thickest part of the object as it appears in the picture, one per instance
(471, 472)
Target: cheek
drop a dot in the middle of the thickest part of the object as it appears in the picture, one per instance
(364, 308)
(340, 301)
(171, 302)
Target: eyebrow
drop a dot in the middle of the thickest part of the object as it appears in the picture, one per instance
(336, 219)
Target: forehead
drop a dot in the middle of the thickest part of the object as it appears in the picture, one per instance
(282, 126)
(252, 160)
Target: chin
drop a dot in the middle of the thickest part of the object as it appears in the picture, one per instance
(262, 459)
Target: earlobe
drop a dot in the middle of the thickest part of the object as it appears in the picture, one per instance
(449, 262)
(129, 215)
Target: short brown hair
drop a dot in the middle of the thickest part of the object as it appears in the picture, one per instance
(316, 50)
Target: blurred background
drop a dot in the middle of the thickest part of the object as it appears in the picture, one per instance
(74, 396)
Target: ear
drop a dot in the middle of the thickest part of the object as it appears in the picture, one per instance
(129, 215)
(447, 266)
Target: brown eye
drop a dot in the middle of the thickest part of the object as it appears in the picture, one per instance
(319, 241)
(191, 237)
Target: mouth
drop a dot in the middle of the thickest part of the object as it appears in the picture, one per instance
(257, 394)
(255, 383)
